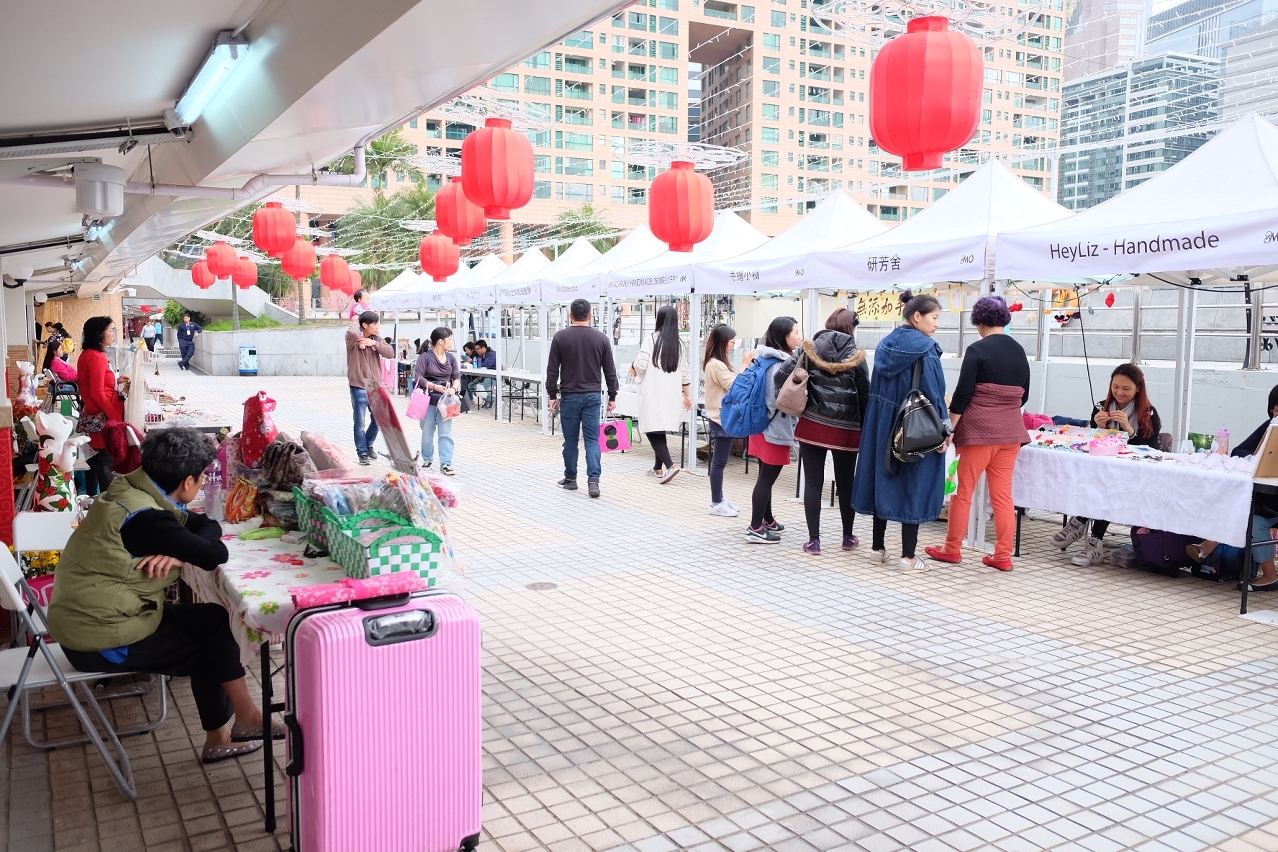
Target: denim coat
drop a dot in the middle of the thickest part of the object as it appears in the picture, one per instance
(913, 493)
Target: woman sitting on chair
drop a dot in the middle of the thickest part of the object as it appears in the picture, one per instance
(108, 610)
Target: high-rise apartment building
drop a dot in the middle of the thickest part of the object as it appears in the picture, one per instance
(1101, 35)
(1251, 71)
(1115, 124)
(771, 80)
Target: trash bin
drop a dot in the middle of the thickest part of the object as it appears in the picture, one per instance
(248, 360)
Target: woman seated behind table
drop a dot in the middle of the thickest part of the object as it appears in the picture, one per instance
(1127, 407)
(108, 610)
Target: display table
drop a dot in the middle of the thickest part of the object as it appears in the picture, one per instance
(521, 386)
(1212, 504)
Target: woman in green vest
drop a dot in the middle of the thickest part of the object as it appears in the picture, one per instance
(108, 610)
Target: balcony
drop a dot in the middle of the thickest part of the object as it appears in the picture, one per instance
(717, 9)
(822, 74)
(819, 49)
(576, 65)
(582, 92)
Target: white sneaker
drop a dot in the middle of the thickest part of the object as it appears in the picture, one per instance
(1073, 530)
(655, 474)
(876, 555)
(730, 504)
(1092, 554)
(914, 565)
(723, 509)
(670, 474)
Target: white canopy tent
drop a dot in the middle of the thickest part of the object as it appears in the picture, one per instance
(443, 295)
(590, 281)
(953, 240)
(528, 289)
(381, 300)
(790, 260)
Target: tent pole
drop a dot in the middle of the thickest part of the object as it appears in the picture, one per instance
(497, 348)
(814, 313)
(543, 323)
(1257, 326)
(1044, 353)
(1191, 331)
(1178, 383)
(1136, 326)
(694, 373)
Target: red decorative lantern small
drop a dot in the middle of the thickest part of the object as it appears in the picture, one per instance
(221, 259)
(335, 273)
(925, 93)
(456, 216)
(497, 168)
(355, 284)
(299, 261)
(274, 229)
(439, 256)
(245, 273)
(681, 207)
(146, 309)
(200, 274)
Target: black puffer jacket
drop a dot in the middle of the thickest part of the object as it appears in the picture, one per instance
(838, 380)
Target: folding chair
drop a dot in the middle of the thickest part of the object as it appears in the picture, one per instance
(43, 664)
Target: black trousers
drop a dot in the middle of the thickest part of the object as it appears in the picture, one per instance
(909, 537)
(718, 462)
(660, 449)
(761, 499)
(193, 640)
(100, 473)
(813, 460)
(1099, 528)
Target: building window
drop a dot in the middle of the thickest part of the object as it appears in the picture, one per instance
(771, 41)
(578, 65)
(669, 26)
(669, 76)
(771, 89)
(618, 195)
(506, 82)
(433, 130)
(771, 65)
(668, 100)
(769, 205)
(570, 141)
(539, 138)
(670, 5)
(585, 39)
(413, 124)
(771, 112)
(669, 50)
(536, 85)
(579, 166)
(541, 189)
(993, 75)
(618, 120)
(770, 135)
(637, 21)
(581, 91)
(769, 181)
(667, 124)
(747, 14)
(636, 196)
(580, 116)
(457, 131)
(770, 158)
(538, 60)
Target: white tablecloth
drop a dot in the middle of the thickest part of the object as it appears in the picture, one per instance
(1160, 495)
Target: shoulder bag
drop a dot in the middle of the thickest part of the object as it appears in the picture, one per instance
(792, 398)
(918, 428)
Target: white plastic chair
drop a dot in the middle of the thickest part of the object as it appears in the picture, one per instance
(43, 664)
(36, 531)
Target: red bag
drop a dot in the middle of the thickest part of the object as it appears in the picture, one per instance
(259, 429)
(1033, 421)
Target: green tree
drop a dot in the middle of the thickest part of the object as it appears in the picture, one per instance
(385, 154)
(373, 228)
(583, 221)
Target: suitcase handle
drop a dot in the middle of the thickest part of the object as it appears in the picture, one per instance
(400, 627)
(383, 602)
(297, 762)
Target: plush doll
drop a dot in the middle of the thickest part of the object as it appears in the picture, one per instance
(55, 483)
(27, 384)
(259, 429)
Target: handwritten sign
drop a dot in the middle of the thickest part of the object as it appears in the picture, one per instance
(878, 307)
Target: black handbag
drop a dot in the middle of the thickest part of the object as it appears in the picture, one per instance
(918, 429)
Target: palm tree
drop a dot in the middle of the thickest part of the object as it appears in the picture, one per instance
(374, 227)
(384, 154)
(583, 221)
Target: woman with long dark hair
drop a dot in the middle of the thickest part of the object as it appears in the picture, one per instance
(838, 393)
(1126, 407)
(101, 396)
(891, 490)
(437, 372)
(772, 446)
(719, 377)
(665, 392)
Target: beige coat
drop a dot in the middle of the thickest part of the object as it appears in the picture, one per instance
(660, 393)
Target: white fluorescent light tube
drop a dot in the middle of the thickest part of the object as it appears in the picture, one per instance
(227, 53)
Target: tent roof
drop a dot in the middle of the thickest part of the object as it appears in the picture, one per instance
(588, 281)
(444, 294)
(381, 299)
(781, 263)
(671, 271)
(953, 240)
(529, 288)
(482, 289)
(1207, 216)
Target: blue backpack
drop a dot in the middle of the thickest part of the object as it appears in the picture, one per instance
(745, 407)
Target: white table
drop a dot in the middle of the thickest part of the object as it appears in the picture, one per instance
(1215, 505)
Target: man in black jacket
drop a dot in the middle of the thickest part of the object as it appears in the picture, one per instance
(578, 355)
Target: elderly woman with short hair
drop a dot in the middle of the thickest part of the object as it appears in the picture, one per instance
(988, 430)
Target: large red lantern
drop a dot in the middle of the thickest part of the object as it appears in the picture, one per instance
(355, 284)
(456, 216)
(299, 261)
(925, 93)
(200, 274)
(245, 273)
(221, 259)
(274, 229)
(681, 207)
(497, 168)
(335, 273)
(439, 256)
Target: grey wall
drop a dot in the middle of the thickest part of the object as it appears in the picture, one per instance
(295, 351)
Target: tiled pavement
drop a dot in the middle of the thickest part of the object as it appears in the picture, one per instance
(680, 689)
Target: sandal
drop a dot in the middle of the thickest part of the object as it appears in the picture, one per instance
(215, 754)
(249, 733)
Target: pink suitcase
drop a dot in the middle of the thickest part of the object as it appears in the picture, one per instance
(385, 744)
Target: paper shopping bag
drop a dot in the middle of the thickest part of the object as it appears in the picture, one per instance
(614, 436)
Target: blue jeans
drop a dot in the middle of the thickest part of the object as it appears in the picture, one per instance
(579, 415)
(434, 422)
(363, 438)
(484, 386)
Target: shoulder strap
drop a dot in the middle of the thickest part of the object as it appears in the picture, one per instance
(918, 373)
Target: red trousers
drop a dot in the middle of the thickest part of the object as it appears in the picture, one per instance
(996, 461)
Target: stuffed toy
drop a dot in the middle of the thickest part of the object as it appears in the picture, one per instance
(259, 429)
(26, 384)
(55, 482)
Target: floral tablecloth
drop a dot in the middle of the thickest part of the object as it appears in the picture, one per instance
(253, 585)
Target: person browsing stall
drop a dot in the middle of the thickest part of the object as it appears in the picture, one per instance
(578, 356)
(101, 394)
(364, 351)
(108, 610)
(665, 395)
(719, 378)
(437, 372)
(772, 446)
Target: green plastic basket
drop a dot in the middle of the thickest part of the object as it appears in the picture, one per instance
(390, 549)
(310, 519)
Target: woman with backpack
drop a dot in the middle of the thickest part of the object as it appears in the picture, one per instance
(891, 490)
(665, 392)
(838, 390)
(988, 430)
(772, 446)
(719, 377)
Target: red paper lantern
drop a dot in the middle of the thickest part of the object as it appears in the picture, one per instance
(681, 207)
(335, 273)
(200, 274)
(245, 273)
(221, 259)
(274, 229)
(497, 168)
(439, 256)
(925, 93)
(299, 260)
(146, 309)
(456, 216)
(355, 284)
